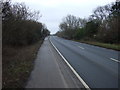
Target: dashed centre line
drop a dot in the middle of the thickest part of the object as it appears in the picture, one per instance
(115, 60)
(81, 47)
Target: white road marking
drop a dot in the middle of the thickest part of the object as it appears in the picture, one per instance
(77, 75)
(81, 47)
(115, 60)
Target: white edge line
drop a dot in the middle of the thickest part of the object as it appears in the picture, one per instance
(83, 82)
(115, 60)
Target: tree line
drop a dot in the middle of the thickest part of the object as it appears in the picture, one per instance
(20, 25)
(102, 25)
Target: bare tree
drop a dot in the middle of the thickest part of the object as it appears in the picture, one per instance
(70, 24)
(102, 13)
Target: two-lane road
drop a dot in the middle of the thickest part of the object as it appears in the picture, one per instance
(97, 66)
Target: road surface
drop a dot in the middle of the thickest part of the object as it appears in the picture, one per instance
(97, 66)
(50, 71)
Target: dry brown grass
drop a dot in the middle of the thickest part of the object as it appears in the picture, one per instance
(17, 64)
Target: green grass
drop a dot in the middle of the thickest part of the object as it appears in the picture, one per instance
(17, 64)
(105, 45)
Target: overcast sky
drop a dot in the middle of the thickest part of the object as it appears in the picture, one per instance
(54, 10)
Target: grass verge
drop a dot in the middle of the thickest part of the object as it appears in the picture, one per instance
(17, 64)
(105, 45)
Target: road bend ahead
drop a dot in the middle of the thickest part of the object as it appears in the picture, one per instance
(97, 66)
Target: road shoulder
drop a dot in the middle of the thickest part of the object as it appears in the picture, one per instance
(50, 71)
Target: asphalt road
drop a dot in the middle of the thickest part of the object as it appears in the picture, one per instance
(97, 66)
